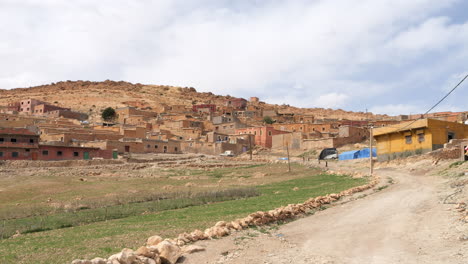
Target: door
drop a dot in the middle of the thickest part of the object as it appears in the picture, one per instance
(115, 154)
(34, 156)
(86, 155)
(127, 148)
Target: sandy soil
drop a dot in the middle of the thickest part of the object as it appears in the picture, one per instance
(404, 223)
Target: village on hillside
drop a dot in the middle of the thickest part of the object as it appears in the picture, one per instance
(31, 129)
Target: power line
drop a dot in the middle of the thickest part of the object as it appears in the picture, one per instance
(434, 106)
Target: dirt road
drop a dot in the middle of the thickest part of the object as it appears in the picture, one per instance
(404, 223)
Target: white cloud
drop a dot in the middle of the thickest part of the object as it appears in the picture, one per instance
(396, 109)
(302, 52)
(331, 100)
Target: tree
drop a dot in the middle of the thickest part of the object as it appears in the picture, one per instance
(109, 114)
(268, 120)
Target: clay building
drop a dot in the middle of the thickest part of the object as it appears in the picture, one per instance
(204, 108)
(22, 144)
(263, 135)
(18, 144)
(44, 108)
(254, 99)
(236, 103)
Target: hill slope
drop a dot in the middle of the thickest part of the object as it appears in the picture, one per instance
(91, 97)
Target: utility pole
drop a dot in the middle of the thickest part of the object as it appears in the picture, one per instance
(250, 146)
(289, 161)
(370, 154)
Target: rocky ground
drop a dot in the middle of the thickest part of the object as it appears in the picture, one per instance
(415, 218)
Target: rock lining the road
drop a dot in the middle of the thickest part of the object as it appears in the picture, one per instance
(168, 251)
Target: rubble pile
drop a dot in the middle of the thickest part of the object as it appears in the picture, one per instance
(444, 154)
(168, 251)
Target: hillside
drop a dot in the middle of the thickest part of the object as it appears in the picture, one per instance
(92, 97)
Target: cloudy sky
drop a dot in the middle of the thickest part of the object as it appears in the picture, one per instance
(388, 56)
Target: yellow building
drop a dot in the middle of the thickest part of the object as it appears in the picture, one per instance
(417, 137)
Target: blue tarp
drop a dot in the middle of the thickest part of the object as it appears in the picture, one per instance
(357, 154)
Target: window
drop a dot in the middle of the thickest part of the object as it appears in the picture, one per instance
(14, 154)
(27, 150)
(269, 133)
(45, 152)
(27, 109)
(148, 146)
(2, 140)
(31, 140)
(76, 154)
(1, 154)
(175, 149)
(155, 146)
(421, 138)
(450, 136)
(59, 153)
(13, 140)
(409, 139)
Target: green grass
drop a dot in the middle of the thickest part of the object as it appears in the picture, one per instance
(105, 238)
(87, 216)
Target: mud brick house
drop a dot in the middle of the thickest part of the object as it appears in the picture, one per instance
(23, 144)
(44, 108)
(204, 108)
(236, 103)
(18, 144)
(303, 119)
(135, 145)
(263, 135)
(131, 115)
(416, 137)
(66, 114)
(27, 105)
(218, 143)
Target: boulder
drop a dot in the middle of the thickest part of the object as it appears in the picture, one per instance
(153, 241)
(145, 252)
(236, 225)
(198, 235)
(220, 224)
(98, 261)
(192, 249)
(128, 256)
(168, 252)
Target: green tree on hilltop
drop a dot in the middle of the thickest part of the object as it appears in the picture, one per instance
(108, 114)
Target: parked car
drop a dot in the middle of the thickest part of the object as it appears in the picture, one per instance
(227, 153)
(328, 154)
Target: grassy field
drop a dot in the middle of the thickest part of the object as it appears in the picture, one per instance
(107, 237)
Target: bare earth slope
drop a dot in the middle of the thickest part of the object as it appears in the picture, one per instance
(405, 223)
(92, 97)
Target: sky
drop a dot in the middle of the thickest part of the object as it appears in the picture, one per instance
(386, 56)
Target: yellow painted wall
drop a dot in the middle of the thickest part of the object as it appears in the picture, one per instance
(440, 130)
(435, 133)
(396, 142)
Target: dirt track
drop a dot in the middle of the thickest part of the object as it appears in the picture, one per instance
(405, 223)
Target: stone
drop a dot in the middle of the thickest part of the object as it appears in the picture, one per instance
(236, 225)
(220, 224)
(154, 240)
(168, 252)
(128, 256)
(197, 235)
(192, 249)
(98, 261)
(145, 252)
